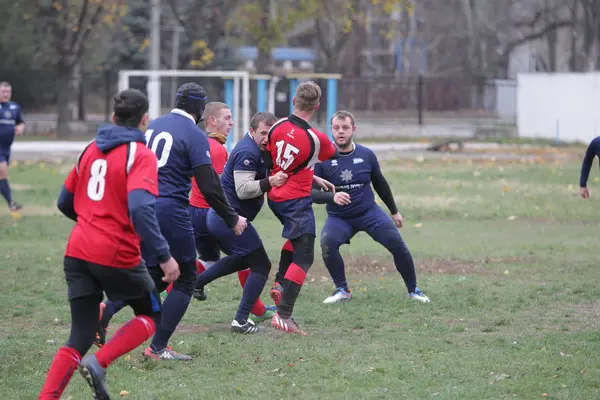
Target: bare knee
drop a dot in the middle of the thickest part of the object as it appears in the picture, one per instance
(3, 170)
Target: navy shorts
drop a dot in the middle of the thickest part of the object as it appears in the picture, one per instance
(206, 244)
(296, 216)
(176, 226)
(231, 243)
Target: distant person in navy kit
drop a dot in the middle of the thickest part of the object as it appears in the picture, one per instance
(11, 124)
(352, 209)
(592, 151)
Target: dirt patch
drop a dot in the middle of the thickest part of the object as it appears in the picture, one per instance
(358, 267)
(19, 187)
(31, 210)
(206, 328)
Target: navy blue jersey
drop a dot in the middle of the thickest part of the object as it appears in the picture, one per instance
(246, 156)
(10, 116)
(352, 173)
(180, 146)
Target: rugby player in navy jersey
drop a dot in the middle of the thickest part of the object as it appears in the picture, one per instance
(592, 151)
(11, 124)
(245, 182)
(354, 210)
(182, 150)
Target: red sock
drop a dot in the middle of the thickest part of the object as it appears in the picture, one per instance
(168, 289)
(259, 307)
(125, 339)
(199, 267)
(61, 370)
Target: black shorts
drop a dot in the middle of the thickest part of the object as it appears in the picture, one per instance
(120, 284)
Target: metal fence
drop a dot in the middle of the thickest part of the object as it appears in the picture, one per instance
(415, 101)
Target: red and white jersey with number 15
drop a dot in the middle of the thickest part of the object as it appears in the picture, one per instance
(295, 148)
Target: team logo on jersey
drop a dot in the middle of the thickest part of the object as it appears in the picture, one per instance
(334, 163)
(291, 133)
(7, 114)
(13, 107)
(246, 163)
(346, 175)
(357, 160)
(208, 153)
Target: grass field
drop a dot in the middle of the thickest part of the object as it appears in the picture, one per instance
(507, 252)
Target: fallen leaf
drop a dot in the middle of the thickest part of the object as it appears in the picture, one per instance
(124, 393)
(418, 225)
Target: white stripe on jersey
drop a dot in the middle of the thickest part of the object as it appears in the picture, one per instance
(315, 158)
(131, 157)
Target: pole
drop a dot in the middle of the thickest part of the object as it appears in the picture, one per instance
(420, 98)
(154, 62)
(175, 61)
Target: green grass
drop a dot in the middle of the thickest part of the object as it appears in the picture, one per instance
(507, 253)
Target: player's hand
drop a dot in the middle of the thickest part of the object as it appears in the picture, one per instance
(398, 221)
(341, 198)
(324, 184)
(19, 129)
(278, 179)
(241, 225)
(584, 192)
(171, 270)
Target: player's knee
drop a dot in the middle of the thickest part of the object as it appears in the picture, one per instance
(186, 283)
(3, 170)
(329, 244)
(258, 261)
(304, 251)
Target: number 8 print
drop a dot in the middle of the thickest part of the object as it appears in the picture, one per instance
(97, 181)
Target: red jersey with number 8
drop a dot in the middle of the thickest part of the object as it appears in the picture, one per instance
(295, 148)
(100, 183)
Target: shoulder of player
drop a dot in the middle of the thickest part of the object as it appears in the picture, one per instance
(364, 150)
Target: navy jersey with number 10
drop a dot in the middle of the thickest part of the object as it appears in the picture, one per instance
(180, 146)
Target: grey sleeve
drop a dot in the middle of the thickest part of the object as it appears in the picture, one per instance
(247, 187)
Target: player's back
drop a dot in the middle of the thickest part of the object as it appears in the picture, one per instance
(104, 233)
(219, 156)
(177, 142)
(295, 148)
(246, 156)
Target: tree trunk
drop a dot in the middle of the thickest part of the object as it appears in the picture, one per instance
(67, 111)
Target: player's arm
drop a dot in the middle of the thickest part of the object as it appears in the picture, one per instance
(247, 187)
(142, 190)
(19, 123)
(319, 196)
(207, 179)
(66, 198)
(588, 160)
(209, 184)
(381, 186)
(327, 150)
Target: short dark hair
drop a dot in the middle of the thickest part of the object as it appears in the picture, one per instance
(267, 117)
(343, 114)
(5, 84)
(129, 107)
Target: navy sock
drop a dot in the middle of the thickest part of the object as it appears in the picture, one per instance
(173, 310)
(5, 191)
(112, 307)
(225, 266)
(335, 264)
(252, 289)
